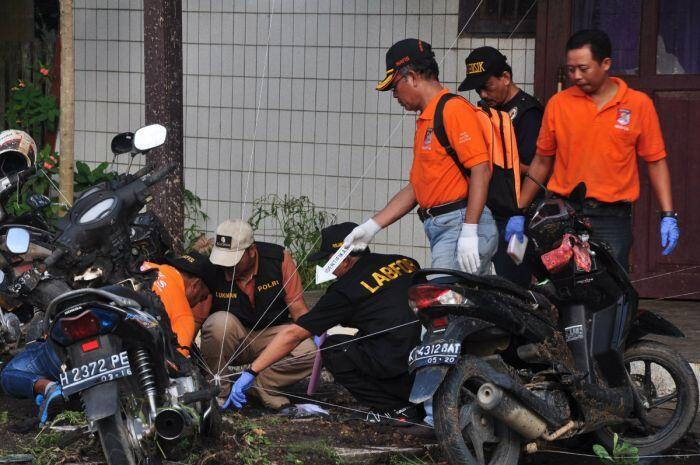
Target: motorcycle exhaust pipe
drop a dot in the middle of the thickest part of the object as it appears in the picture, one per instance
(174, 423)
(503, 407)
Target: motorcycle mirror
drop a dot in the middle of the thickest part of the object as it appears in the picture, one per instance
(38, 201)
(2, 277)
(149, 137)
(17, 240)
(123, 143)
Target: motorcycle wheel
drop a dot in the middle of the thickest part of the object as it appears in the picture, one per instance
(670, 415)
(114, 438)
(466, 434)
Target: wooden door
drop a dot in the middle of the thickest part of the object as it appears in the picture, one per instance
(656, 49)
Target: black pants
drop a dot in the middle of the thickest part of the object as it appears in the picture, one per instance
(614, 226)
(505, 266)
(382, 395)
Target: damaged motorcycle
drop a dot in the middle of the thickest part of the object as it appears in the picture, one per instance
(513, 368)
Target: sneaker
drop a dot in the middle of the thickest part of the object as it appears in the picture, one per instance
(50, 403)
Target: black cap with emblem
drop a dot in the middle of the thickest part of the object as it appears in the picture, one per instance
(482, 63)
(402, 53)
(332, 239)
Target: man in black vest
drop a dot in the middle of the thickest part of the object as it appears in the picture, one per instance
(256, 292)
(371, 294)
(489, 74)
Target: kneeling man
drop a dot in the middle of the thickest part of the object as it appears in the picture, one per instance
(371, 294)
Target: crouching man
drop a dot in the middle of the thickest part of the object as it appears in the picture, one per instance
(370, 295)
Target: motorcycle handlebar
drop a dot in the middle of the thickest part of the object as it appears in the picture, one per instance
(159, 174)
(54, 257)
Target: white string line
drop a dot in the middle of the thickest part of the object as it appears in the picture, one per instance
(364, 412)
(364, 173)
(55, 187)
(522, 19)
(582, 454)
(250, 170)
(666, 274)
(676, 296)
(283, 361)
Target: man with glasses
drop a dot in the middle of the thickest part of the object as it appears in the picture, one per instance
(460, 228)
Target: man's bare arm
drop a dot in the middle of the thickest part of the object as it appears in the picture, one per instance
(478, 191)
(280, 346)
(660, 178)
(403, 202)
(540, 169)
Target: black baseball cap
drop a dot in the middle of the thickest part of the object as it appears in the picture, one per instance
(402, 53)
(332, 239)
(482, 63)
(192, 263)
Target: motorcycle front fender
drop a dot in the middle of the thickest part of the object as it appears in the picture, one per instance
(426, 382)
(101, 401)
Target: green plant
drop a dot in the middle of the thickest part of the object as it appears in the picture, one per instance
(622, 453)
(86, 177)
(195, 219)
(29, 106)
(299, 222)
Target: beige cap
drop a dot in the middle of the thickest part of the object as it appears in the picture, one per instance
(232, 238)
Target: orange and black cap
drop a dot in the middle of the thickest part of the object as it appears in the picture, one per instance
(481, 64)
(403, 52)
(332, 238)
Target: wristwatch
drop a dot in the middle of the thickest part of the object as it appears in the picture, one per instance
(669, 214)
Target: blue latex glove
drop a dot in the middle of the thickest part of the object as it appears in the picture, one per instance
(516, 225)
(237, 396)
(53, 397)
(670, 232)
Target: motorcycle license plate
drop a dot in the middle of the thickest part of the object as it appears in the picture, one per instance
(97, 372)
(435, 353)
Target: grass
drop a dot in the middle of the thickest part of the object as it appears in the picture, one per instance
(316, 450)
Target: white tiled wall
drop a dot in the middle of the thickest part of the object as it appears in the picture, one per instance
(296, 114)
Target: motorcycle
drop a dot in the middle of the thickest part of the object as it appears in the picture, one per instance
(506, 365)
(140, 395)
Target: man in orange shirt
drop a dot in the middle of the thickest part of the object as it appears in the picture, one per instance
(593, 132)
(257, 293)
(460, 228)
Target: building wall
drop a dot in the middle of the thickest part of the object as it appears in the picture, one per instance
(279, 98)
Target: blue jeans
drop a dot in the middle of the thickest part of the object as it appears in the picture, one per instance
(443, 233)
(37, 361)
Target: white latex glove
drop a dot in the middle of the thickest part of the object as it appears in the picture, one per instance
(468, 249)
(362, 235)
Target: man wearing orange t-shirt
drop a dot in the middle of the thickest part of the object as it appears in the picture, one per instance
(593, 132)
(460, 228)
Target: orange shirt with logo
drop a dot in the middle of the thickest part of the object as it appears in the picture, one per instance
(435, 177)
(170, 288)
(600, 147)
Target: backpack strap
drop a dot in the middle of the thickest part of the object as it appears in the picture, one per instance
(439, 131)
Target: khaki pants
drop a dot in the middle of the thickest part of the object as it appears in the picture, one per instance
(284, 373)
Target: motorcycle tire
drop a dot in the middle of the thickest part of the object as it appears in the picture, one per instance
(452, 440)
(115, 441)
(686, 404)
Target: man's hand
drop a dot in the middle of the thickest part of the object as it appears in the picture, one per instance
(516, 225)
(670, 232)
(362, 235)
(237, 396)
(468, 249)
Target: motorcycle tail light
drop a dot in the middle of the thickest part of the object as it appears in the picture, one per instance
(92, 322)
(439, 323)
(90, 345)
(426, 295)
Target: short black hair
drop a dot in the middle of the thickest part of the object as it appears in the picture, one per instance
(597, 40)
(428, 70)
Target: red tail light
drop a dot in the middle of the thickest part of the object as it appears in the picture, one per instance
(427, 295)
(82, 326)
(90, 345)
(439, 323)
